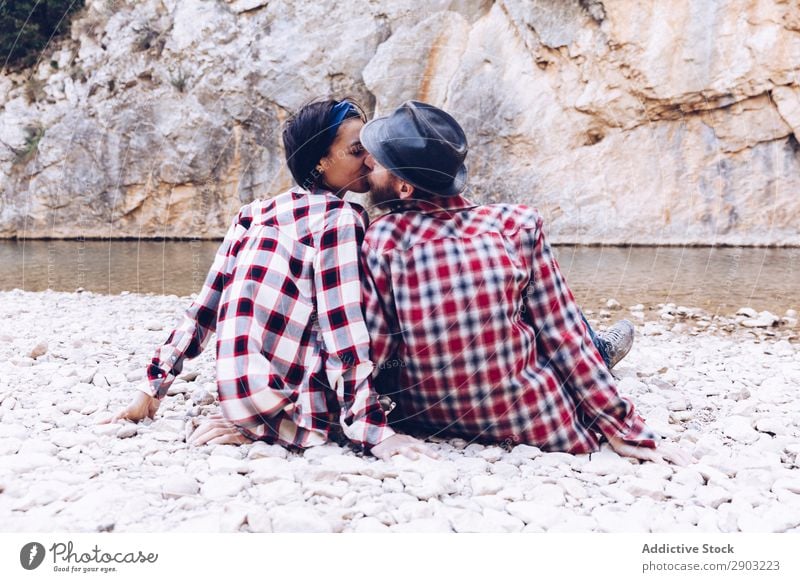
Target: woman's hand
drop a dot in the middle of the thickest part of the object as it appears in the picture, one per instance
(216, 430)
(402, 444)
(143, 406)
(664, 453)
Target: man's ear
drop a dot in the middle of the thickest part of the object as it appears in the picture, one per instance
(404, 190)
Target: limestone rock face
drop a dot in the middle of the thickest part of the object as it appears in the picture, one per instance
(623, 122)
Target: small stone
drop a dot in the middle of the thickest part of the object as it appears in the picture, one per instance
(654, 471)
(525, 452)
(202, 398)
(712, 496)
(574, 524)
(539, 514)
(711, 474)
(9, 403)
(42, 447)
(262, 450)
(775, 426)
(573, 487)
(38, 350)
(268, 469)
(764, 319)
(507, 522)
(178, 486)
(220, 464)
(611, 519)
(9, 446)
(555, 459)
(607, 462)
(344, 464)
(259, 521)
(791, 484)
(298, 520)
(491, 454)
(740, 429)
(747, 312)
(234, 451)
(490, 501)
(613, 305)
(154, 325)
(652, 488)
(548, 494)
(177, 388)
(332, 490)
(110, 429)
(617, 493)
(465, 521)
(435, 483)
(222, 486)
(279, 491)
(26, 463)
(127, 430)
(486, 484)
(678, 491)
(166, 437)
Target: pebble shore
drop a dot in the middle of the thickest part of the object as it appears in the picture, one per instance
(723, 387)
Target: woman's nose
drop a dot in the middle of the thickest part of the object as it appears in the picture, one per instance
(369, 162)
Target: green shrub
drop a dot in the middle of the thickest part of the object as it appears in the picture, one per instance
(27, 26)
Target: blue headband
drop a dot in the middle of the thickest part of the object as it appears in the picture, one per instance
(338, 114)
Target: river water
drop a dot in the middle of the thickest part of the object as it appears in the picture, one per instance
(720, 280)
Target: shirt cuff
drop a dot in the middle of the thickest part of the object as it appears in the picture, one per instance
(634, 431)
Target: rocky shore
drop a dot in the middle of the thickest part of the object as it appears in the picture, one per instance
(723, 387)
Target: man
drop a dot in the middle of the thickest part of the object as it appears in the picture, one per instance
(467, 306)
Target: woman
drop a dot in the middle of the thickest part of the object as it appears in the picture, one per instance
(284, 297)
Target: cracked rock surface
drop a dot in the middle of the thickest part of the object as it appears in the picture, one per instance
(621, 121)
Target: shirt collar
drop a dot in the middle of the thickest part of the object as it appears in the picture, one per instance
(432, 205)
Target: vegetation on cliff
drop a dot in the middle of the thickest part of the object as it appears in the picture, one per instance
(28, 26)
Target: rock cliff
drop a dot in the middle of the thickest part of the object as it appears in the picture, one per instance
(622, 121)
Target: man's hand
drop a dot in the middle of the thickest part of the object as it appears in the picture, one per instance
(216, 430)
(664, 453)
(143, 406)
(402, 444)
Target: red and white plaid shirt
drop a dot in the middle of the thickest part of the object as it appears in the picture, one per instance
(467, 306)
(284, 296)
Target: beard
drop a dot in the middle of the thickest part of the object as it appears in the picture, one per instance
(381, 194)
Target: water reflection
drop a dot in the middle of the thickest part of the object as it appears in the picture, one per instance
(718, 279)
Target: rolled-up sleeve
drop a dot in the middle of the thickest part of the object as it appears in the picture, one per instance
(188, 339)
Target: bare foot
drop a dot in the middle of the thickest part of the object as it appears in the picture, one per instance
(216, 430)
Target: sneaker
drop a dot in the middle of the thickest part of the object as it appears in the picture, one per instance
(617, 340)
(387, 404)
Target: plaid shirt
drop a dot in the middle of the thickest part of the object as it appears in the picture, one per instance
(284, 296)
(474, 325)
